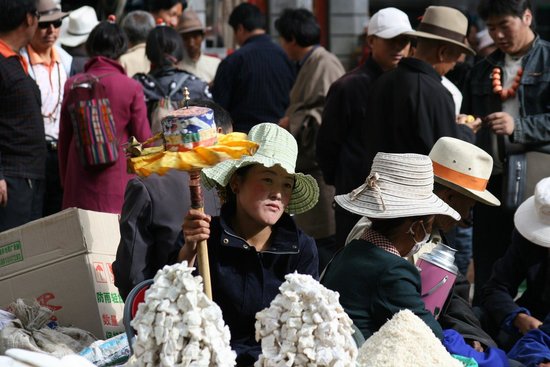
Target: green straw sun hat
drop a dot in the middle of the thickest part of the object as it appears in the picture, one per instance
(277, 147)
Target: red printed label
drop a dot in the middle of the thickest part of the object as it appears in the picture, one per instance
(100, 272)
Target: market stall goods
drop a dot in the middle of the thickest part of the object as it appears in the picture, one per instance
(178, 325)
(25, 358)
(405, 340)
(305, 325)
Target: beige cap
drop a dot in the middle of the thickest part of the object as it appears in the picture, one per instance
(190, 22)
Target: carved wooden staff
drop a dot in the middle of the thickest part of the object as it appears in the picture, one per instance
(197, 202)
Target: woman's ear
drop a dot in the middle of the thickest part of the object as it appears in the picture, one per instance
(234, 183)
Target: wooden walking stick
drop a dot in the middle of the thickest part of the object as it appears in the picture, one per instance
(197, 202)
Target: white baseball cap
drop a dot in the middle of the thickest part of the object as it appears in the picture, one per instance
(389, 23)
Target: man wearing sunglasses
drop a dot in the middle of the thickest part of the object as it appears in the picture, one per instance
(49, 66)
(22, 150)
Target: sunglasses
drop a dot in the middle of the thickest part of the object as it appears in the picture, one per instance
(45, 25)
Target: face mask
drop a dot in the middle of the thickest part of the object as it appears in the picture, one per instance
(418, 245)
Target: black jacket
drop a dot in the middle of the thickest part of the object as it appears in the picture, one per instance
(523, 260)
(245, 281)
(532, 129)
(458, 314)
(340, 147)
(22, 140)
(411, 110)
(253, 83)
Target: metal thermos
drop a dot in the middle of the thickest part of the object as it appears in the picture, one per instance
(438, 274)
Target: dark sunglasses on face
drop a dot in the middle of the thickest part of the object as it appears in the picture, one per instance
(45, 25)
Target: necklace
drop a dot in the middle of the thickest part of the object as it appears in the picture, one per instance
(51, 116)
(504, 94)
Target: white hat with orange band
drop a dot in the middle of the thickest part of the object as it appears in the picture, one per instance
(463, 167)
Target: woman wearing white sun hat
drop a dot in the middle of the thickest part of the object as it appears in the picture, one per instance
(526, 259)
(254, 242)
(371, 275)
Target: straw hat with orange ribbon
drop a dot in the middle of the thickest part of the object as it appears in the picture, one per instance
(463, 167)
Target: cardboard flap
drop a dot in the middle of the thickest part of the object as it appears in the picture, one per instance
(65, 234)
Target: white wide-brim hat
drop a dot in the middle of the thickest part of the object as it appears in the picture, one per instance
(532, 218)
(464, 168)
(79, 25)
(276, 147)
(445, 24)
(399, 185)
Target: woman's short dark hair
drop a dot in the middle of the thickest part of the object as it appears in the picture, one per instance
(299, 25)
(247, 15)
(516, 8)
(14, 12)
(221, 116)
(164, 46)
(227, 196)
(387, 227)
(107, 39)
(156, 5)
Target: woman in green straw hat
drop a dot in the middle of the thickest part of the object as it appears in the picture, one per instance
(254, 242)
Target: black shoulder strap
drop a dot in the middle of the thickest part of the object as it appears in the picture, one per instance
(157, 84)
(179, 84)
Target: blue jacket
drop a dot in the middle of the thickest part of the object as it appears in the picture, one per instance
(245, 281)
(534, 347)
(532, 129)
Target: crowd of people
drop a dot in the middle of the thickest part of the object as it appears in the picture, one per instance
(356, 173)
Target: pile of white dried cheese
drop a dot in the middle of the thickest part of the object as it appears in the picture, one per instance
(405, 340)
(178, 325)
(305, 325)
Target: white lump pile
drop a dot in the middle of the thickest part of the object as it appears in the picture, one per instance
(305, 325)
(405, 340)
(178, 325)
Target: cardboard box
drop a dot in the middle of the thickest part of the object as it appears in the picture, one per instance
(57, 237)
(65, 262)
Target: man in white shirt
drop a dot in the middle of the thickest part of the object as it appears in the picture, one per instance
(195, 62)
(49, 66)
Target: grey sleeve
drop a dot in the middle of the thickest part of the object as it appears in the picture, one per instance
(132, 259)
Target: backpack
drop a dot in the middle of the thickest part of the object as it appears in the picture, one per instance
(93, 122)
(165, 105)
